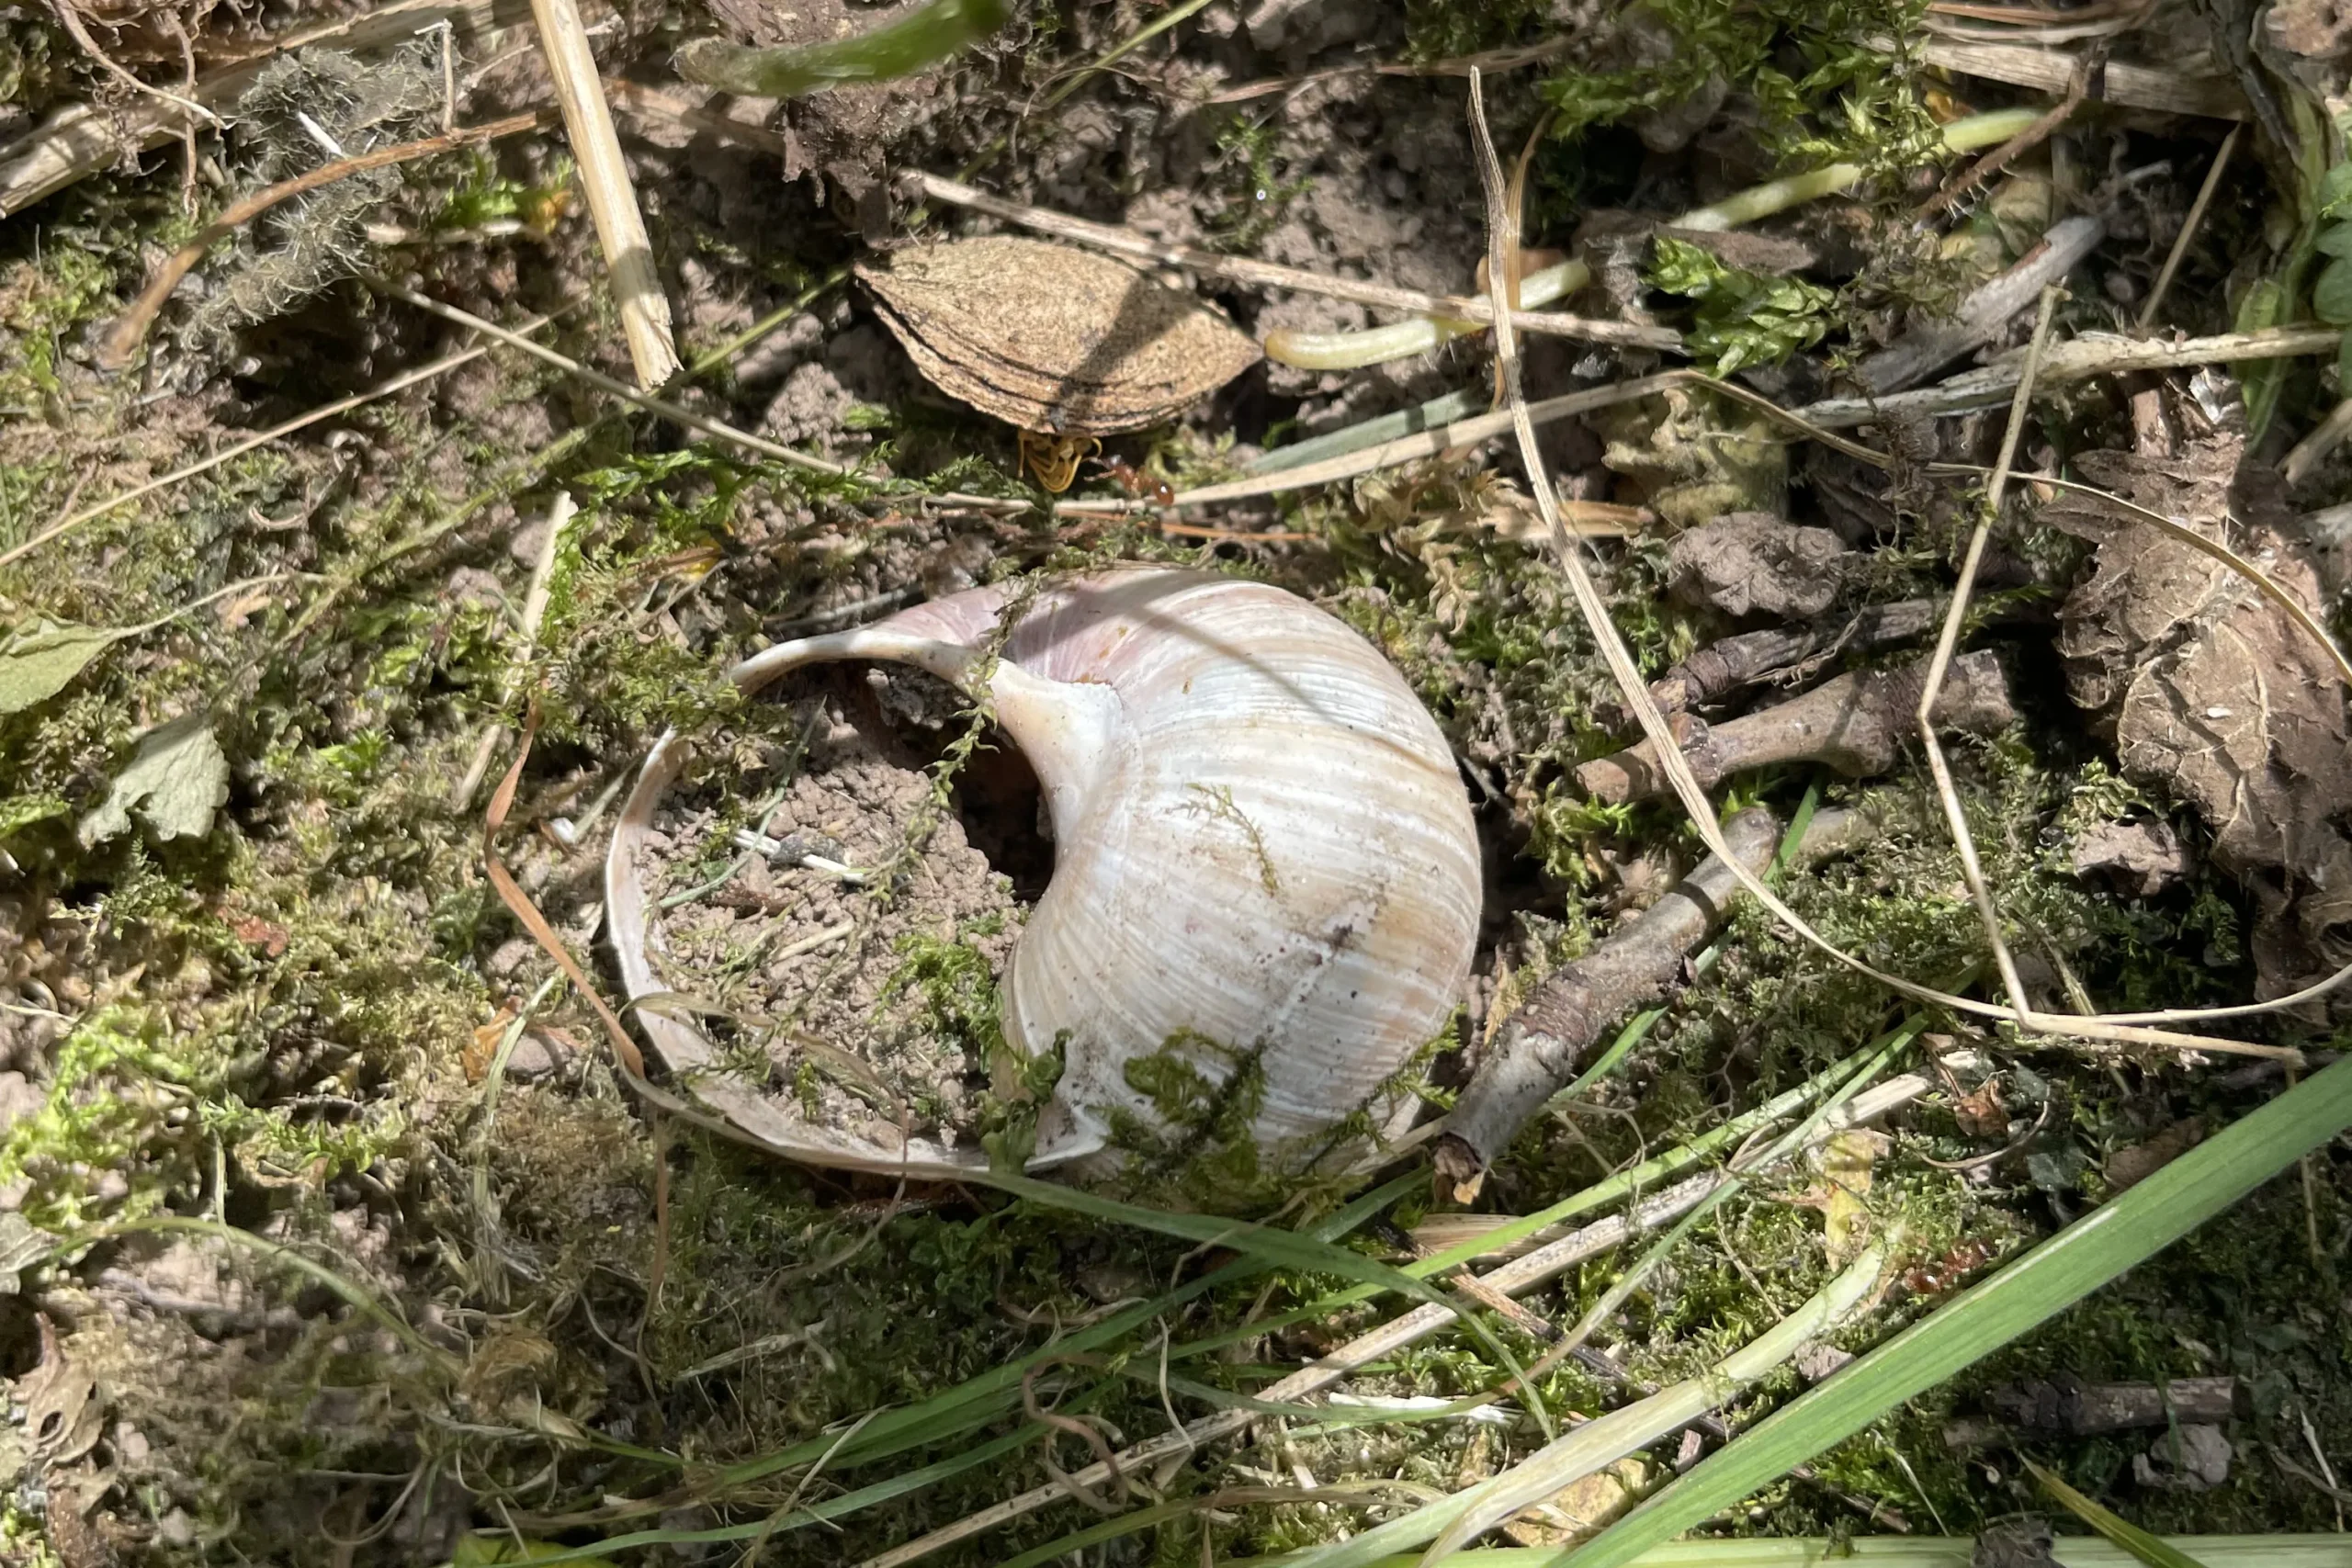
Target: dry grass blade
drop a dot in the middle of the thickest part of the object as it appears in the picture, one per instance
(2188, 227)
(398, 383)
(612, 198)
(130, 330)
(2049, 69)
(2070, 361)
(1698, 810)
(1266, 274)
(594, 378)
(1429, 443)
(1972, 870)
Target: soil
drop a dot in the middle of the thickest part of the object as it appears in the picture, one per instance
(785, 954)
(286, 1258)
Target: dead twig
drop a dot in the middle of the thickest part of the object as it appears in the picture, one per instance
(1733, 663)
(612, 197)
(1985, 313)
(121, 342)
(1962, 181)
(2070, 361)
(2188, 227)
(2049, 70)
(1545, 1042)
(1854, 724)
(1267, 275)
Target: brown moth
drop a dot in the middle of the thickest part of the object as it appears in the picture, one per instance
(1052, 338)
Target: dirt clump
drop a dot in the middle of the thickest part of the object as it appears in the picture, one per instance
(817, 955)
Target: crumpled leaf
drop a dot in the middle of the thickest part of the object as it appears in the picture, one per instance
(2215, 697)
(21, 1246)
(175, 781)
(1747, 563)
(65, 1417)
(1696, 457)
(37, 661)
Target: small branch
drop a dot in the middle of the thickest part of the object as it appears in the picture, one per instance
(1734, 663)
(1984, 313)
(2085, 1410)
(2133, 86)
(1545, 1042)
(1266, 274)
(130, 330)
(2188, 227)
(612, 198)
(2313, 449)
(1962, 181)
(1855, 723)
(2070, 361)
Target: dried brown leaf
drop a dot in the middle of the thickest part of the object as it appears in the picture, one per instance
(2214, 695)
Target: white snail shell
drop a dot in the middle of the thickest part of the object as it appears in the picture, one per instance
(1260, 838)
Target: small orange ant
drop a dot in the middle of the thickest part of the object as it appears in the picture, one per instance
(1136, 483)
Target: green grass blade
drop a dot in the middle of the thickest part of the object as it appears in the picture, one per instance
(1288, 1249)
(1650, 1173)
(2123, 1232)
(1896, 1551)
(983, 1398)
(2143, 1546)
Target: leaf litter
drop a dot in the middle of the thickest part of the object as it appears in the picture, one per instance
(329, 942)
(2213, 698)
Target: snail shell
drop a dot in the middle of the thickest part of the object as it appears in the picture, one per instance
(1264, 853)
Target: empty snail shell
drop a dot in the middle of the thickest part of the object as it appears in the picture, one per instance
(1265, 860)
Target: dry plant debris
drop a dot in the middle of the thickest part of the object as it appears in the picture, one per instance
(1053, 338)
(2213, 697)
(502, 1297)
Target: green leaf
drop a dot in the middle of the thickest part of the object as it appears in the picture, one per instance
(175, 781)
(2336, 239)
(18, 812)
(35, 663)
(2120, 1234)
(913, 43)
(2335, 193)
(2332, 294)
(2146, 1548)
